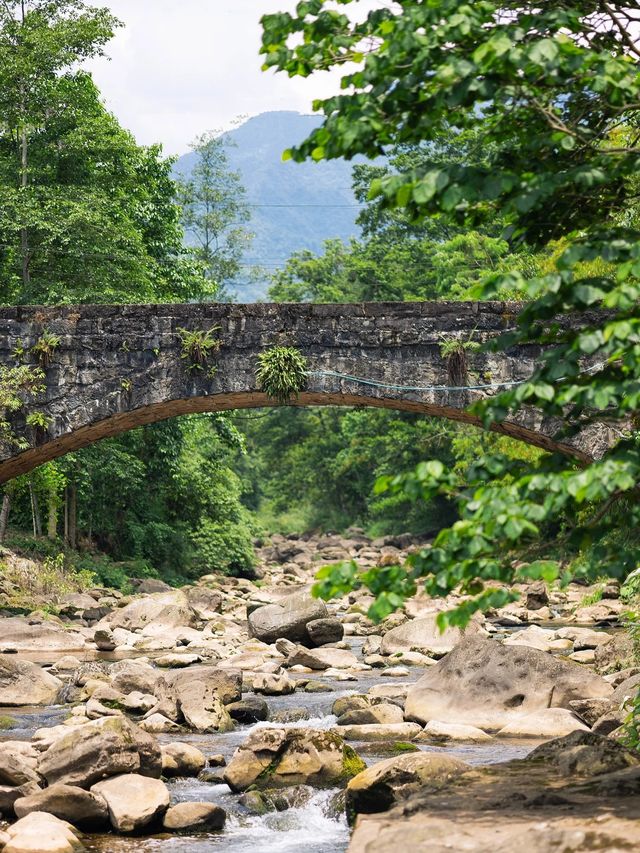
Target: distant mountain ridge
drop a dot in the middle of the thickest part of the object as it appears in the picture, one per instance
(295, 205)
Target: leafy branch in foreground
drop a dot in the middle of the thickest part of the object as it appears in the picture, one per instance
(553, 92)
(281, 373)
(17, 385)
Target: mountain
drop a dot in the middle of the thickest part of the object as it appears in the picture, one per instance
(294, 205)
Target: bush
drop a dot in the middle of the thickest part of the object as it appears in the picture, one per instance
(224, 548)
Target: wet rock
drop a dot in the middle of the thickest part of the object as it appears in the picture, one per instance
(182, 759)
(255, 802)
(288, 618)
(24, 683)
(290, 715)
(134, 801)
(317, 687)
(273, 685)
(523, 680)
(198, 696)
(349, 703)
(380, 732)
(249, 710)
(423, 635)
(98, 749)
(322, 631)
(444, 732)
(383, 785)
(40, 832)
(546, 723)
(161, 610)
(373, 714)
(585, 754)
(194, 816)
(276, 758)
(67, 802)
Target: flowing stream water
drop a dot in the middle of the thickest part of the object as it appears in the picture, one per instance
(315, 827)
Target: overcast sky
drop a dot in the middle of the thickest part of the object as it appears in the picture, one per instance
(180, 68)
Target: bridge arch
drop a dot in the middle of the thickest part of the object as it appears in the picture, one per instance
(116, 368)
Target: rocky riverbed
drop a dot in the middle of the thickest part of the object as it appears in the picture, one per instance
(246, 715)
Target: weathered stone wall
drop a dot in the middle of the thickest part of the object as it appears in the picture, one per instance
(119, 367)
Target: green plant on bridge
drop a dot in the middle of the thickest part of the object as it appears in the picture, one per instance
(39, 422)
(16, 385)
(282, 373)
(455, 352)
(44, 348)
(198, 345)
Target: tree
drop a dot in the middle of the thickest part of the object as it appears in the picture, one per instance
(552, 91)
(76, 191)
(214, 210)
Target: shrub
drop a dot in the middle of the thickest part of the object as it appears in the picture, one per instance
(282, 373)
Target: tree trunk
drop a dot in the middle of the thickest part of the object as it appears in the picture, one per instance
(35, 511)
(72, 537)
(4, 515)
(52, 520)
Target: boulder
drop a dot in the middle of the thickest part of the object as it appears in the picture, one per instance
(617, 653)
(373, 714)
(288, 618)
(591, 710)
(98, 749)
(182, 759)
(206, 603)
(198, 695)
(436, 731)
(323, 658)
(547, 723)
(134, 801)
(35, 634)
(133, 676)
(423, 635)
(585, 754)
(158, 724)
(279, 758)
(161, 610)
(485, 684)
(67, 802)
(104, 640)
(383, 785)
(536, 596)
(382, 732)
(25, 683)
(15, 769)
(249, 710)
(322, 631)
(193, 816)
(273, 685)
(40, 832)
(10, 795)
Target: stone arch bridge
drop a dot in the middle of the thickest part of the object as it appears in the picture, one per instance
(120, 367)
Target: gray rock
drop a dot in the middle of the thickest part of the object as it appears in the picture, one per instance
(194, 816)
(40, 832)
(25, 683)
(67, 802)
(249, 710)
(322, 631)
(134, 801)
(288, 618)
(485, 684)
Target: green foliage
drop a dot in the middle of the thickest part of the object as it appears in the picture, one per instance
(18, 385)
(281, 373)
(44, 348)
(552, 93)
(198, 346)
(215, 212)
(225, 549)
(455, 352)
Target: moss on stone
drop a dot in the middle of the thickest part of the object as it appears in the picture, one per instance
(352, 764)
(7, 723)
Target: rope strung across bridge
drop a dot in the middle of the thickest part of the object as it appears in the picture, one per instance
(333, 374)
